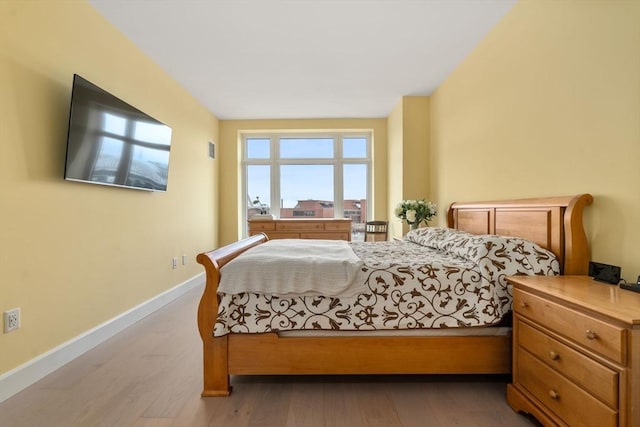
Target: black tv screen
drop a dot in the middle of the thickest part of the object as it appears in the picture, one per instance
(113, 143)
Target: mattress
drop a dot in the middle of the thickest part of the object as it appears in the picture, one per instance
(435, 278)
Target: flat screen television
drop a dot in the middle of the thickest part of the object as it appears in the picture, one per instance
(113, 143)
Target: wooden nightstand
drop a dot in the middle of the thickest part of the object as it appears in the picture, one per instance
(576, 352)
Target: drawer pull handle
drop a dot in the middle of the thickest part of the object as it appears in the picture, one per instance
(553, 355)
(524, 304)
(591, 335)
(554, 395)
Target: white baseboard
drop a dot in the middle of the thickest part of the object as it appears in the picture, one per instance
(21, 377)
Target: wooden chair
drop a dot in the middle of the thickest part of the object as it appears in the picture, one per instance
(375, 231)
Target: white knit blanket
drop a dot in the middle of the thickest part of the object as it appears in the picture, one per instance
(292, 267)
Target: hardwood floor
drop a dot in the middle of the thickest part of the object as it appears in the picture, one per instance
(150, 375)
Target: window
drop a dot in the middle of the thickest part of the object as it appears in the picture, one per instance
(308, 176)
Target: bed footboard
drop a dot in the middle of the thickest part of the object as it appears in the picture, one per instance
(215, 350)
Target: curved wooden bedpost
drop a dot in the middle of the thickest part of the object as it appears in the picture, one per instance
(215, 350)
(576, 247)
(450, 218)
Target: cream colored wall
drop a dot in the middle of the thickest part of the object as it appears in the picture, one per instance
(549, 104)
(408, 154)
(395, 174)
(74, 255)
(230, 227)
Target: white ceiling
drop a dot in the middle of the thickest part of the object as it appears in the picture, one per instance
(272, 59)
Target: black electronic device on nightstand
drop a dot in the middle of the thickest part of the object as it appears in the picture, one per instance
(631, 286)
(604, 272)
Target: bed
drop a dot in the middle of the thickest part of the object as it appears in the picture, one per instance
(553, 223)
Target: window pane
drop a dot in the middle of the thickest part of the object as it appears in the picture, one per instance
(306, 191)
(114, 124)
(107, 163)
(258, 189)
(258, 148)
(309, 148)
(148, 167)
(354, 147)
(151, 132)
(355, 198)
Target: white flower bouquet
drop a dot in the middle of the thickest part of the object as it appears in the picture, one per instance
(414, 212)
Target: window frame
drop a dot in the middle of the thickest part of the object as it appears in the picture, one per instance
(274, 161)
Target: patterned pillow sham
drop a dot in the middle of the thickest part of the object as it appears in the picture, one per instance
(493, 254)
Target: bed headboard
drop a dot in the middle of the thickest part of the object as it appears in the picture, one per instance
(554, 223)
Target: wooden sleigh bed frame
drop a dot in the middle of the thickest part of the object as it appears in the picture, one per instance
(554, 223)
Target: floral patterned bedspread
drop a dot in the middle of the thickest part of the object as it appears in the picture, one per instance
(434, 278)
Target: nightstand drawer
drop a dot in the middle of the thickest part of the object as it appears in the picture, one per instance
(596, 335)
(596, 378)
(567, 400)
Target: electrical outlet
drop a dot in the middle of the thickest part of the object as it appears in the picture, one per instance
(174, 262)
(184, 260)
(11, 320)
